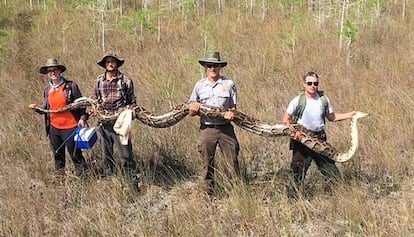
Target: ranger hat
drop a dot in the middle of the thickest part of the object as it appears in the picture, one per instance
(52, 62)
(119, 61)
(212, 58)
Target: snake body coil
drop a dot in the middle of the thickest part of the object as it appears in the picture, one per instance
(241, 119)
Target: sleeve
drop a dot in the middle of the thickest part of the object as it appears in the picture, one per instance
(130, 93)
(330, 107)
(233, 95)
(96, 89)
(76, 91)
(194, 95)
(292, 105)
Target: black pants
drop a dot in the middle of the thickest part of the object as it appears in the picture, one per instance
(57, 138)
(109, 139)
(302, 158)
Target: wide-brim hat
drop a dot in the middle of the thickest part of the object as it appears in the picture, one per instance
(52, 62)
(119, 61)
(212, 58)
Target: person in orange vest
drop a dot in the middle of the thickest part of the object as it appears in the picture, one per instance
(60, 127)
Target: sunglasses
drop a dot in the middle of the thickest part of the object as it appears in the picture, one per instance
(315, 83)
(212, 65)
(52, 69)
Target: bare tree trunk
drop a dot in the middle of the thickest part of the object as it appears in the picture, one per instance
(341, 24)
(103, 24)
(66, 25)
(321, 14)
(218, 6)
(159, 22)
(404, 9)
(205, 43)
(264, 9)
(203, 9)
(348, 52)
(144, 8)
(311, 6)
(121, 8)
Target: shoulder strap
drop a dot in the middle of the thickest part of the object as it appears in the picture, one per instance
(69, 93)
(98, 89)
(67, 90)
(46, 95)
(122, 88)
(300, 107)
(324, 101)
(302, 104)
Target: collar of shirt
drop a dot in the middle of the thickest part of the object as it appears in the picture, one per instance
(207, 82)
(117, 76)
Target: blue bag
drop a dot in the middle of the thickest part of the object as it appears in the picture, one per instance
(85, 138)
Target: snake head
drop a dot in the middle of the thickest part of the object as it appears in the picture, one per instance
(359, 114)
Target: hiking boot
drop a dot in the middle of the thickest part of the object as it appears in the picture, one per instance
(60, 172)
(81, 170)
(134, 182)
(207, 188)
(292, 193)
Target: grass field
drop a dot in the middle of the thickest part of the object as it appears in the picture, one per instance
(362, 50)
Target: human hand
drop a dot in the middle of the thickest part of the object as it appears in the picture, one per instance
(32, 106)
(229, 115)
(194, 107)
(296, 136)
(83, 123)
(93, 113)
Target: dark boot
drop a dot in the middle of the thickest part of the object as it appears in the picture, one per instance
(81, 168)
(109, 167)
(132, 176)
(59, 167)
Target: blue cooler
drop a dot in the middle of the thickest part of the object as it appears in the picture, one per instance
(85, 138)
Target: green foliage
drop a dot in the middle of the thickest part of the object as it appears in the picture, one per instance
(4, 37)
(350, 32)
(290, 5)
(3, 33)
(374, 200)
(136, 19)
(288, 42)
(188, 5)
(83, 2)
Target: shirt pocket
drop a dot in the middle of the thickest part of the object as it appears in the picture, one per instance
(204, 97)
(223, 98)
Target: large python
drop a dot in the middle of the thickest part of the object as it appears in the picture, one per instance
(241, 119)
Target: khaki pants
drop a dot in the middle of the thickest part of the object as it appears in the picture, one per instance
(209, 138)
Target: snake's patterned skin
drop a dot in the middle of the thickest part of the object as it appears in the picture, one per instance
(241, 119)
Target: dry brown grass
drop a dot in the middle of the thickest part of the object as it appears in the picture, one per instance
(375, 200)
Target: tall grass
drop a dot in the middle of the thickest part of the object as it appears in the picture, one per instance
(267, 54)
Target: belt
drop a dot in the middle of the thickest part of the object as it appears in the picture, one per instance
(317, 133)
(320, 134)
(204, 126)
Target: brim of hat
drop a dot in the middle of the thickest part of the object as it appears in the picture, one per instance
(221, 63)
(43, 70)
(119, 63)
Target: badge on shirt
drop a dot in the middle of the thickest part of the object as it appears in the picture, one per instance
(224, 88)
